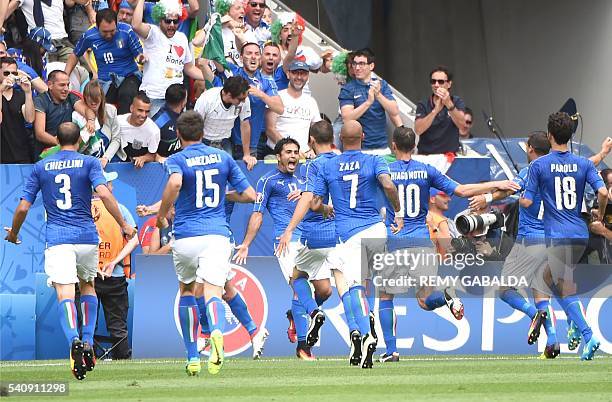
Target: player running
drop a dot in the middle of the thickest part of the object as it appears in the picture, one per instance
(560, 178)
(352, 180)
(66, 180)
(274, 192)
(318, 235)
(528, 255)
(414, 180)
(198, 176)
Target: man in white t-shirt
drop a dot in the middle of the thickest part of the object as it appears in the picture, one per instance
(301, 110)
(139, 134)
(52, 19)
(166, 50)
(219, 108)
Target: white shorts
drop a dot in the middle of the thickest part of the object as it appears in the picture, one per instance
(528, 262)
(355, 264)
(287, 260)
(66, 263)
(205, 257)
(317, 262)
(562, 260)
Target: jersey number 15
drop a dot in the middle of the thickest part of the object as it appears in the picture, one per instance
(204, 180)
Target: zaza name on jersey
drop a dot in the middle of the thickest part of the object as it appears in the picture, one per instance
(344, 166)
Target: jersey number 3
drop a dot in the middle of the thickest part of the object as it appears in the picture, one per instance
(204, 180)
(64, 180)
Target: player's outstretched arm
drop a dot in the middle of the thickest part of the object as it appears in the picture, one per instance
(602, 202)
(110, 203)
(393, 197)
(469, 190)
(242, 252)
(21, 212)
(171, 192)
(246, 197)
(144, 210)
(301, 209)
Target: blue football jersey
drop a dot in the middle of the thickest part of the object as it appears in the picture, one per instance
(112, 56)
(200, 206)
(317, 232)
(413, 180)
(66, 180)
(272, 191)
(530, 225)
(560, 179)
(351, 180)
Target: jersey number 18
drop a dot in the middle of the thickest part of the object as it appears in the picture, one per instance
(565, 192)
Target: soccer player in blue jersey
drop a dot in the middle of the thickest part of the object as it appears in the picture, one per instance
(66, 180)
(414, 180)
(560, 179)
(528, 255)
(198, 176)
(275, 192)
(318, 235)
(115, 47)
(352, 180)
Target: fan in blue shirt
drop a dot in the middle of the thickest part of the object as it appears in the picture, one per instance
(66, 180)
(368, 99)
(114, 45)
(560, 178)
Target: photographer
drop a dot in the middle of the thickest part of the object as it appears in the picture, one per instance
(601, 230)
(17, 109)
(481, 233)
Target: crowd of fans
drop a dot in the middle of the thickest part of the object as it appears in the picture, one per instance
(124, 70)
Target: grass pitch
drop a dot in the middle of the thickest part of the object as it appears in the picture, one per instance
(448, 378)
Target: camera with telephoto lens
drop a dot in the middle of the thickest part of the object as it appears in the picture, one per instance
(479, 223)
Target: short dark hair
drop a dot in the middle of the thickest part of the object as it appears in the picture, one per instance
(235, 86)
(7, 60)
(404, 138)
(467, 110)
(322, 132)
(442, 69)
(175, 94)
(278, 148)
(106, 15)
(248, 44)
(142, 96)
(68, 133)
(538, 140)
(52, 76)
(190, 125)
(365, 52)
(561, 127)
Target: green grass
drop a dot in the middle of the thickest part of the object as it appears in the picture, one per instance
(428, 378)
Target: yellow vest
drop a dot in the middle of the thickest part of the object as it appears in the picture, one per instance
(111, 236)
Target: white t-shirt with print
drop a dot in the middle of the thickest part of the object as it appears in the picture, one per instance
(219, 120)
(297, 117)
(54, 17)
(145, 136)
(166, 58)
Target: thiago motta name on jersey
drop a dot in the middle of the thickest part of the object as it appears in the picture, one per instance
(410, 175)
(67, 164)
(203, 160)
(563, 168)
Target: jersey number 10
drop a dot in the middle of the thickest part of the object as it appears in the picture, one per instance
(204, 180)
(409, 197)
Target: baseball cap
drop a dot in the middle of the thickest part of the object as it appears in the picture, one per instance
(298, 65)
(434, 191)
(110, 176)
(43, 37)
